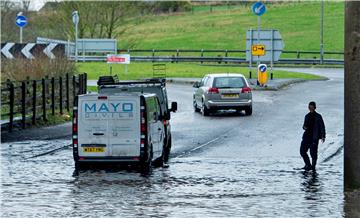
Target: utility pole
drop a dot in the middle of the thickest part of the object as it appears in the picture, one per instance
(352, 96)
(322, 33)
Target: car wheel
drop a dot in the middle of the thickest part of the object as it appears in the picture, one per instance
(204, 110)
(248, 110)
(196, 109)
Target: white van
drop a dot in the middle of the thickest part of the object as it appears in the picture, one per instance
(123, 127)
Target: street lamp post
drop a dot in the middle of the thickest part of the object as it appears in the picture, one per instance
(75, 19)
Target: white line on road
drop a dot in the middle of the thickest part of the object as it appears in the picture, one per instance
(200, 146)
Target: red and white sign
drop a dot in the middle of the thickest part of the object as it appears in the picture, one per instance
(118, 59)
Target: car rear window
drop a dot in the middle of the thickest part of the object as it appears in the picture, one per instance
(229, 82)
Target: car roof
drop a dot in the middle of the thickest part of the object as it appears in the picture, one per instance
(225, 75)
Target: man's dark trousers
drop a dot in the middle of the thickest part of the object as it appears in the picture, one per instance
(306, 144)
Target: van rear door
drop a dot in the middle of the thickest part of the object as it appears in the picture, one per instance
(109, 125)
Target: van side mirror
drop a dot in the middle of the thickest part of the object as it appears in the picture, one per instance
(173, 107)
(196, 85)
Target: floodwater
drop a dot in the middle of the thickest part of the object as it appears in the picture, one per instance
(195, 185)
(222, 166)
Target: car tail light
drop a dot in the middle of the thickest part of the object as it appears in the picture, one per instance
(246, 90)
(213, 90)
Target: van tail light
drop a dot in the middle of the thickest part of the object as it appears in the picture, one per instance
(143, 128)
(213, 90)
(246, 89)
(165, 122)
(75, 127)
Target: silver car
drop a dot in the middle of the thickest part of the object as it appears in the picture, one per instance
(222, 91)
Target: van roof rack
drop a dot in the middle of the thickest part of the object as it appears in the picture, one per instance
(109, 80)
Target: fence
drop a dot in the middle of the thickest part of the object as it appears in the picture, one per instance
(28, 101)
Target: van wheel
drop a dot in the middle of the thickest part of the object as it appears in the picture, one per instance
(167, 150)
(196, 109)
(204, 110)
(248, 110)
(159, 162)
(146, 164)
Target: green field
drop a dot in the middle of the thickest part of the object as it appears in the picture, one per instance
(298, 23)
(138, 70)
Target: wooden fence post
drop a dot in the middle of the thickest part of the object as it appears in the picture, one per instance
(60, 95)
(67, 93)
(23, 102)
(43, 83)
(11, 109)
(80, 84)
(226, 51)
(53, 96)
(34, 103)
(85, 83)
(202, 54)
(74, 86)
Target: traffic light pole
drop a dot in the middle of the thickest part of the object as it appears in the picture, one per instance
(352, 96)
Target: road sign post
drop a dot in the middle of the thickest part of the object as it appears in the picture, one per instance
(258, 9)
(118, 59)
(21, 21)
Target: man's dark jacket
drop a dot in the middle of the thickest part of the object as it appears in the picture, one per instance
(318, 129)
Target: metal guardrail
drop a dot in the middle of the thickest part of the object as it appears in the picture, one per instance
(175, 59)
(222, 56)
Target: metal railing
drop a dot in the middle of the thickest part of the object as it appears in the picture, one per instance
(219, 56)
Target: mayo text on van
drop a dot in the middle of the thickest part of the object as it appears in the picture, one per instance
(110, 110)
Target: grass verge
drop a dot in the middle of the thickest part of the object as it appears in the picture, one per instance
(189, 70)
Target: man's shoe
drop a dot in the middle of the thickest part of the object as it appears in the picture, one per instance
(307, 168)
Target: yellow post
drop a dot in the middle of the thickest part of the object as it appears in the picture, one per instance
(262, 74)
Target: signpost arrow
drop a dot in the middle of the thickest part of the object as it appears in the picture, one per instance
(48, 50)
(259, 8)
(21, 21)
(5, 50)
(26, 50)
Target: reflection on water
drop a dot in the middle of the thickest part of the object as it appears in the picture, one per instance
(192, 186)
(311, 185)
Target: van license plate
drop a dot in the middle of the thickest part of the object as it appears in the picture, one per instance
(94, 149)
(230, 95)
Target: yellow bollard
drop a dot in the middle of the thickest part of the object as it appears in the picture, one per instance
(262, 74)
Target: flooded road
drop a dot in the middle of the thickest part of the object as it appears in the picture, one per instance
(223, 165)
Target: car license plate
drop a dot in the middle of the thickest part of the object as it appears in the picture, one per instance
(230, 95)
(94, 149)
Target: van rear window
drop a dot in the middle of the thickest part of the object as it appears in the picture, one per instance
(229, 82)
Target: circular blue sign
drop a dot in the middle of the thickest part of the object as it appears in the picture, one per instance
(262, 68)
(258, 8)
(21, 21)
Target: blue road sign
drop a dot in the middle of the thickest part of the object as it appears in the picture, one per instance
(21, 21)
(258, 8)
(262, 68)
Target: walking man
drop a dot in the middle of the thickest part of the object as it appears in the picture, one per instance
(314, 131)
